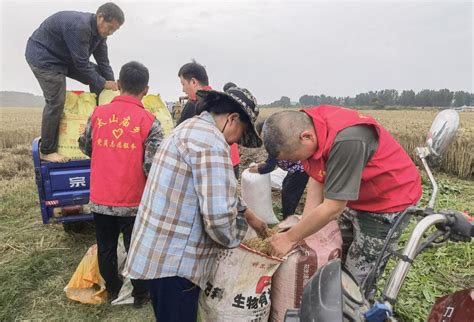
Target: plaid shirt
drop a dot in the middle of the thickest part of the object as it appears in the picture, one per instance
(189, 208)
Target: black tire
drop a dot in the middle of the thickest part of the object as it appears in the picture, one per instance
(74, 227)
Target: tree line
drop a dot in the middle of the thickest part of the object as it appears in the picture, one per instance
(387, 97)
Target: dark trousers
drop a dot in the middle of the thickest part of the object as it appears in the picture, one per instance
(53, 85)
(174, 299)
(237, 171)
(292, 189)
(107, 230)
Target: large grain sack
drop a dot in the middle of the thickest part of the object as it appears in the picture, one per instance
(257, 194)
(77, 109)
(239, 287)
(107, 95)
(292, 275)
(157, 107)
(152, 103)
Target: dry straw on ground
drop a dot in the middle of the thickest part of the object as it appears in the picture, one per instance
(409, 127)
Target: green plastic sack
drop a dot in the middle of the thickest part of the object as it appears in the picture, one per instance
(77, 109)
(152, 103)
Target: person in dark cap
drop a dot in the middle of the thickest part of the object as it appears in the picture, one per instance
(61, 48)
(190, 207)
(228, 85)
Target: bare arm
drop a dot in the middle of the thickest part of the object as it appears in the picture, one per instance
(318, 212)
(314, 195)
(316, 219)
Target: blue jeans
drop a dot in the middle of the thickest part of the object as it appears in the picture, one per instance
(174, 299)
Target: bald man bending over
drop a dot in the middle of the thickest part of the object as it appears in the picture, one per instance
(359, 175)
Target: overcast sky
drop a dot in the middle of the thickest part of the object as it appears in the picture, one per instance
(273, 48)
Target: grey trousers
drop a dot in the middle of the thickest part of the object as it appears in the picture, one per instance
(53, 85)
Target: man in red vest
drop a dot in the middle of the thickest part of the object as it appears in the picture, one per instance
(121, 138)
(193, 77)
(359, 175)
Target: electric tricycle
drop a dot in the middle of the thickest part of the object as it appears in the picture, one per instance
(63, 190)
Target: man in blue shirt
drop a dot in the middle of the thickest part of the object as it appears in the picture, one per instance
(61, 48)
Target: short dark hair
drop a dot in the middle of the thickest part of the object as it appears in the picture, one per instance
(221, 105)
(133, 77)
(110, 11)
(194, 70)
(228, 85)
(281, 131)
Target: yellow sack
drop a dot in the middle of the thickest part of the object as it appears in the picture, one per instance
(107, 95)
(77, 109)
(157, 107)
(152, 103)
(86, 284)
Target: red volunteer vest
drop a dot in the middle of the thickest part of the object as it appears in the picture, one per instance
(390, 181)
(119, 132)
(234, 154)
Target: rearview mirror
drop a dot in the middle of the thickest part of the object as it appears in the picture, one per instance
(442, 132)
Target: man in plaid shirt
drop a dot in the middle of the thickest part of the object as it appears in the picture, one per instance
(190, 206)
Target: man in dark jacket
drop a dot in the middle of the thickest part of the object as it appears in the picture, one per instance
(61, 48)
(193, 77)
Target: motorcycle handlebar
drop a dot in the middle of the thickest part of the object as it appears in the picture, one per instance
(453, 222)
(411, 249)
(460, 225)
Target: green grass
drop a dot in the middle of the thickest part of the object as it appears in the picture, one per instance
(37, 261)
(441, 270)
(437, 271)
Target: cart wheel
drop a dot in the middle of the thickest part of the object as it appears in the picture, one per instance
(74, 227)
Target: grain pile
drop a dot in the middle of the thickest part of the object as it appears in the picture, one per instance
(261, 244)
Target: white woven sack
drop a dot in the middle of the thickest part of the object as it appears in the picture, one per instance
(257, 194)
(239, 287)
(276, 177)
(125, 294)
